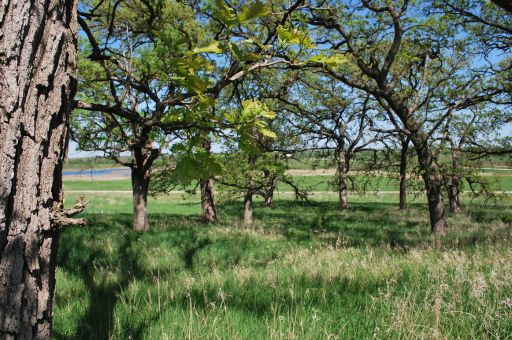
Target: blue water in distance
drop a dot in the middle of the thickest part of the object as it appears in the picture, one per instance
(98, 172)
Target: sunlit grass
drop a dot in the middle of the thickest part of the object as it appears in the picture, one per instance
(302, 271)
(359, 183)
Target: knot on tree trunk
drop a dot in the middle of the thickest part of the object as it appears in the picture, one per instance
(61, 217)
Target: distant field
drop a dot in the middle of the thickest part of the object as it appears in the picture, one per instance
(88, 163)
(313, 183)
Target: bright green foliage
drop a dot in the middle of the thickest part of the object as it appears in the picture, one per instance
(229, 17)
(160, 76)
(333, 60)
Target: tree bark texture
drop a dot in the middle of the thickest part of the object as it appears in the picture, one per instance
(140, 188)
(453, 189)
(453, 185)
(433, 185)
(38, 82)
(248, 219)
(248, 208)
(269, 189)
(269, 195)
(208, 201)
(208, 192)
(342, 179)
(403, 175)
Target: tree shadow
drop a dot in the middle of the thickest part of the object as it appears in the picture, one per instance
(97, 322)
(364, 224)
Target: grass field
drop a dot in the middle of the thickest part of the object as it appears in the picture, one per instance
(501, 181)
(90, 162)
(304, 271)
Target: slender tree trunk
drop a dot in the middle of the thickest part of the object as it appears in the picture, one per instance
(38, 82)
(433, 184)
(403, 174)
(248, 208)
(140, 187)
(453, 185)
(207, 193)
(269, 195)
(342, 179)
(248, 219)
(269, 190)
(208, 201)
(453, 189)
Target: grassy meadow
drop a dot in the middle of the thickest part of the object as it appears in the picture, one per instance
(303, 271)
(501, 181)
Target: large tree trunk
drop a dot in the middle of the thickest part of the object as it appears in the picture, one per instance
(38, 82)
(342, 179)
(403, 174)
(248, 208)
(140, 187)
(433, 185)
(208, 201)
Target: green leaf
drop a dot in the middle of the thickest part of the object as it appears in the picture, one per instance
(331, 60)
(197, 85)
(224, 13)
(268, 133)
(289, 35)
(237, 52)
(253, 11)
(186, 170)
(212, 48)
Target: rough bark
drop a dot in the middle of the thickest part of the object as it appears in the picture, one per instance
(430, 172)
(433, 184)
(143, 156)
(248, 219)
(403, 175)
(505, 4)
(453, 185)
(208, 201)
(453, 189)
(269, 195)
(140, 187)
(38, 82)
(342, 179)
(208, 193)
(269, 190)
(248, 208)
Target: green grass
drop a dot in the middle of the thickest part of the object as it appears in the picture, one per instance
(304, 271)
(98, 185)
(90, 162)
(313, 183)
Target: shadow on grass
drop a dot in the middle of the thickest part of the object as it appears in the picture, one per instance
(107, 254)
(86, 254)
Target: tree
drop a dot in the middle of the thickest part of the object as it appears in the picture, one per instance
(466, 133)
(247, 165)
(400, 56)
(404, 157)
(335, 118)
(505, 4)
(38, 72)
(152, 72)
(207, 188)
